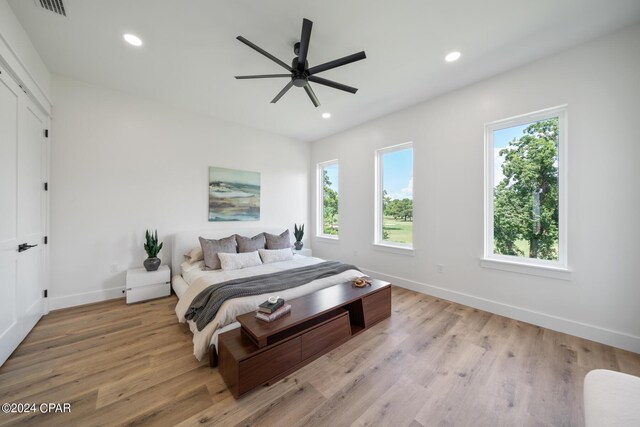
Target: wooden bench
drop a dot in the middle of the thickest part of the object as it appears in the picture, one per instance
(261, 353)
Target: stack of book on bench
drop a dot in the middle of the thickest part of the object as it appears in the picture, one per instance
(270, 311)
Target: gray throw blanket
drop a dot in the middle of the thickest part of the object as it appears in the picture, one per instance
(206, 304)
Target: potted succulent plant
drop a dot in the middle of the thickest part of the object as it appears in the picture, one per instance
(152, 248)
(298, 233)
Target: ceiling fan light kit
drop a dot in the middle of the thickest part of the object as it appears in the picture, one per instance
(299, 71)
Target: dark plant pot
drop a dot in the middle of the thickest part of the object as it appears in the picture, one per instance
(298, 245)
(152, 264)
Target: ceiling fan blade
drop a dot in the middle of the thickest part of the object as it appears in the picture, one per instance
(262, 76)
(264, 52)
(337, 63)
(332, 84)
(305, 37)
(282, 92)
(312, 95)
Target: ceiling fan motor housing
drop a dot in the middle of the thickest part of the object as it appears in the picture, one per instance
(299, 75)
(299, 81)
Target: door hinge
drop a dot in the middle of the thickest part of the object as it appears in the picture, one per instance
(46, 186)
(46, 240)
(46, 133)
(46, 293)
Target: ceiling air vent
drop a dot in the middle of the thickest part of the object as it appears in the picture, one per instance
(55, 6)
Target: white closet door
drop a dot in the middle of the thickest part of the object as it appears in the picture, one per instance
(31, 215)
(22, 215)
(9, 326)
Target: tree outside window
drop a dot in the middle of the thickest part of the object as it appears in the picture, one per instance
(526, 220)
(329, 199)
(395, 200)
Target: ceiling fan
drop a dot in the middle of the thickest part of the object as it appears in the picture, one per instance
(300, 73)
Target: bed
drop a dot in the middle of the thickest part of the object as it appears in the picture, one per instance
(190, 283)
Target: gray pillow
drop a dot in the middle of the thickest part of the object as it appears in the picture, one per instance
(250, 244)
(278, 242)
(211, 248)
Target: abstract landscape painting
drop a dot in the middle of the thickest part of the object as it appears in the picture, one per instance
(234, 195)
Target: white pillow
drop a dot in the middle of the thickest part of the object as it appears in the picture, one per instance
(275, 255)
(232, 261)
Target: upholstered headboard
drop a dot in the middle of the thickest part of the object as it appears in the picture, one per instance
(183, 241)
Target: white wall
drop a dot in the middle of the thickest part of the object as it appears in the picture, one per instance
(121, 164)
(18, 53)
(600, 82)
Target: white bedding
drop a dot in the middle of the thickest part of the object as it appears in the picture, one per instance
(198, 280)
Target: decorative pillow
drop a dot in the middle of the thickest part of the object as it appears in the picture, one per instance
(278, 242)
(211, 248)
(250, 244)
(238, 261)
(187, 266)
(194, 255)
(275, 255)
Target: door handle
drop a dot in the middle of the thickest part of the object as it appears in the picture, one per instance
(25, 246)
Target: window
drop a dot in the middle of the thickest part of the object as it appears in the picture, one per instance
(394, 196)
(525, 190)
(328, 200)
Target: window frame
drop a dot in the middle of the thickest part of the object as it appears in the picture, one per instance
(556, 269)
(320, 199)
(378, 242)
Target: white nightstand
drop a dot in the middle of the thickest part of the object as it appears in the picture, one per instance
(303, 252)
(143, 285)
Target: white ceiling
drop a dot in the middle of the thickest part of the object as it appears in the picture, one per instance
(190, 54)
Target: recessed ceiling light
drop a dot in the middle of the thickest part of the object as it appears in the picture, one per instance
(326, 115)
(452, 56)
(132, 39)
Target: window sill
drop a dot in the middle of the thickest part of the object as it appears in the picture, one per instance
(328, 239)
(402, 250)
(525, 268)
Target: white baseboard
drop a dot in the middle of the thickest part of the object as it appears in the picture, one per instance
(56, 303)
(583, 330)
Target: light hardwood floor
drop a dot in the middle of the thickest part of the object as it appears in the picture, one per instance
(432, 363)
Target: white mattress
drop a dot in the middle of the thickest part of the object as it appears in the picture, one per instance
(179, 285)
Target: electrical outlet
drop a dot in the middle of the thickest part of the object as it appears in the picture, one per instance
(355, 253)
(440, 268)
(113, 268)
